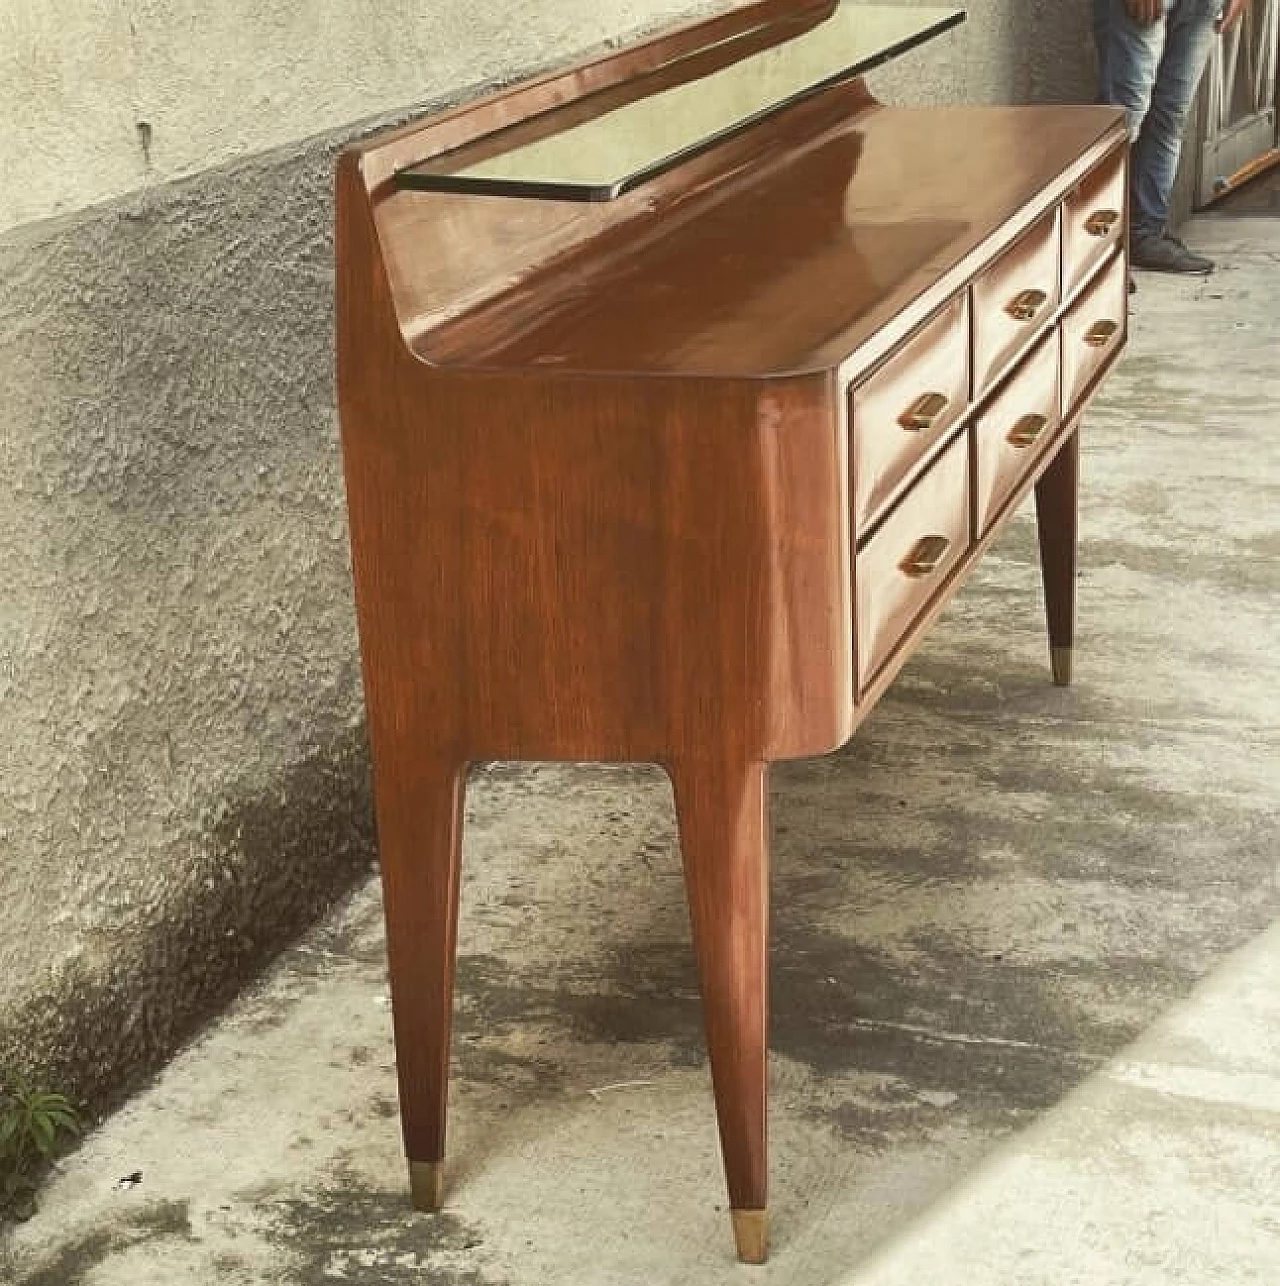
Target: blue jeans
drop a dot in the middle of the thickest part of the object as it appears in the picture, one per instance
(1152, 72)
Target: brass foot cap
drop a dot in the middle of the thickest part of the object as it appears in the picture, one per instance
(426, 1184)
(1060, 662)
(751, 1232)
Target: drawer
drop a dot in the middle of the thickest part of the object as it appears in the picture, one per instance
(904, 564)
(901, 411)
(1014, 299)
(1092, 331)
(1093, 220)
(1013, 432)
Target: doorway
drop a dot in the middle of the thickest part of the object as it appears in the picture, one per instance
(1238, 131)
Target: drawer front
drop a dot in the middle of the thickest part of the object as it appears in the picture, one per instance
(1015, 429)
(898, 414)
(1092, 330)
(904, 564)
(1093, 220)
(1015, 298)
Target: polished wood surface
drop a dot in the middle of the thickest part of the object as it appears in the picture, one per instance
(833, 229)
(1015, 299)
(894, 580)
(1057, 492)
(920, 626)
(1020, 422)
(419, 844)
(1093, 220)
(722, 812)
(1093, 331)
(685, 478)
(904, 410)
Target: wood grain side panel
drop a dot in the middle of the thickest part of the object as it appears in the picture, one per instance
(551, 569)
(566, 568)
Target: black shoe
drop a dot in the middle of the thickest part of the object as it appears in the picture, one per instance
(1163, 253)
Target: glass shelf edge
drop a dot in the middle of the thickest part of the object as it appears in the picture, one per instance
(571, 190)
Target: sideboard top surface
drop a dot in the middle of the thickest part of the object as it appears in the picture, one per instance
(794, 263)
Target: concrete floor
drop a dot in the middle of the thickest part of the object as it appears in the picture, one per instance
(1026, 953)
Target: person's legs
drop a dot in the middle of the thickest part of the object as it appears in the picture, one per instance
(1152, 72)
(1128, 58)
(1188, 38)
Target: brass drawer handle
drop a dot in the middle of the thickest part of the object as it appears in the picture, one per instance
(925, 556)
(1099, 334)
(924, 412)
(1026, 303)
(1027, 430)
(1100, 222)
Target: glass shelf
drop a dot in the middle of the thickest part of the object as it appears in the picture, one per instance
(600, 158)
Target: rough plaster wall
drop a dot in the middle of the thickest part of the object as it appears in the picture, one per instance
(108, 97)
(978, 62)
(183, 778)
(1007, 51)
(1061, 65)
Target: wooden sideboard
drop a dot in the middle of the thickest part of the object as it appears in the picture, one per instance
(684, 474)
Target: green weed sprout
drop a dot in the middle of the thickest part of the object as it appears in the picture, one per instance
(31, 1122)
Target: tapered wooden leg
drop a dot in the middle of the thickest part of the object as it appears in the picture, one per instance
(420, 838)
(1056, 505)
(721, 810)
